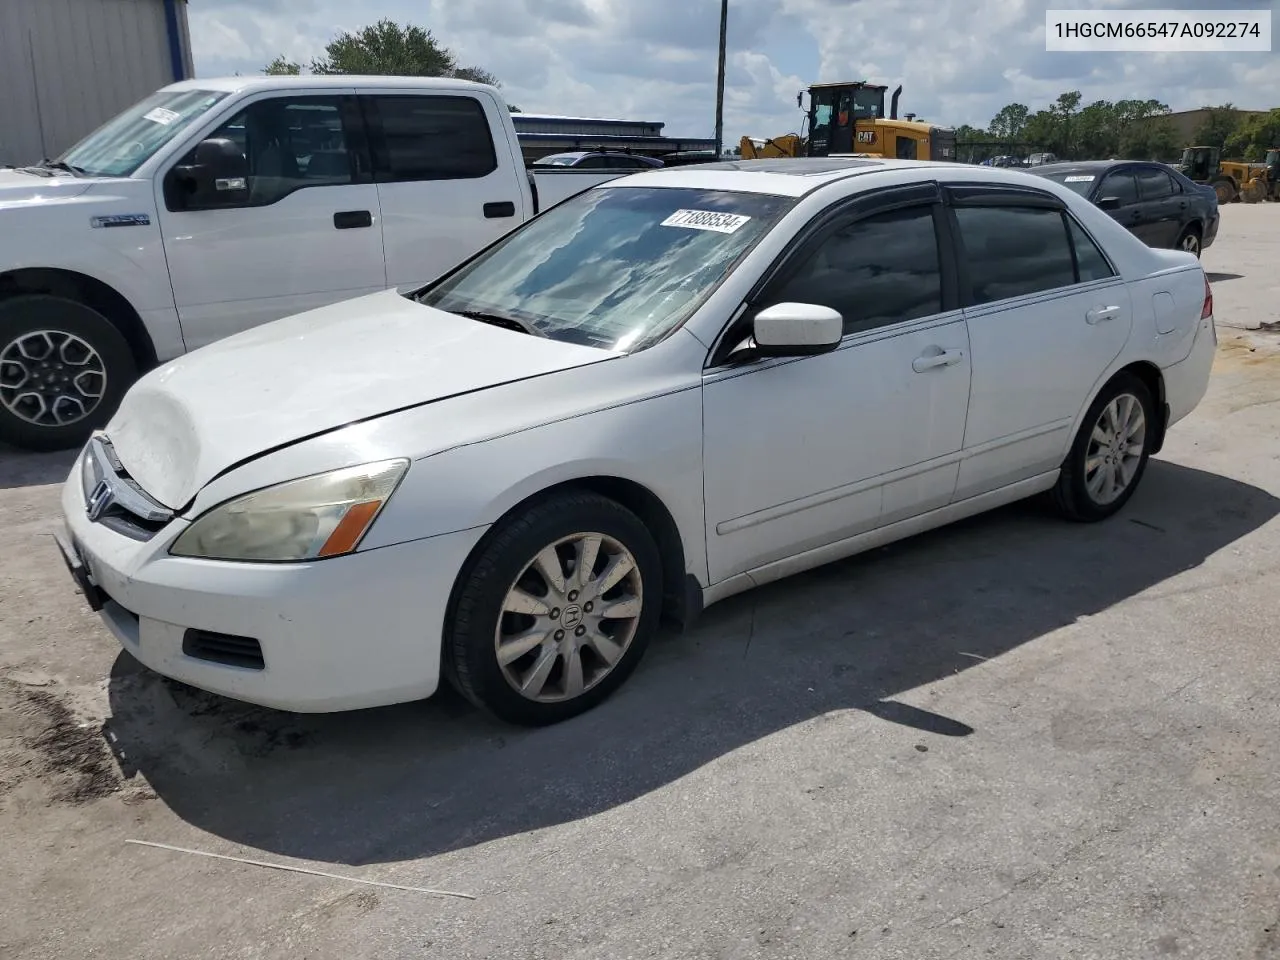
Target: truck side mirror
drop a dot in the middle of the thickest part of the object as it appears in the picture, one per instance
(217, 176)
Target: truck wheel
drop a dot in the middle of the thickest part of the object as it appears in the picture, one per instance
(1225, 189)
(64, 368)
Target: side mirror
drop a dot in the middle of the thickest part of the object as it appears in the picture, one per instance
(1108, 203)
(217, 176)
(796, 330)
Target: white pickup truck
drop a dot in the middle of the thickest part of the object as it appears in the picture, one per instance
(216, 205)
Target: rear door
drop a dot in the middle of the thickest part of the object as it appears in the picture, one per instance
(305, 233)
(1162, 203)
(446, 185)
(1046, 313)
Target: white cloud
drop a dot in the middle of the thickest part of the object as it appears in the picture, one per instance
(958, 60)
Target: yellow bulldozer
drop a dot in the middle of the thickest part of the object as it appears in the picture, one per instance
(848, 120)
(1233, 179)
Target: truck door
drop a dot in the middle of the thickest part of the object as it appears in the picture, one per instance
(447, 186)
(300, 229)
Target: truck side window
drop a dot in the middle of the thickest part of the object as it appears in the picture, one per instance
(429, 137)
(286, 143)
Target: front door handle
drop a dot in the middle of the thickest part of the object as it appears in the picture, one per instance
(350, 219)
(1098, 314)
(931, 361)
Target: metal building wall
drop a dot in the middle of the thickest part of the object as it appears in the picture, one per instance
(67, 66)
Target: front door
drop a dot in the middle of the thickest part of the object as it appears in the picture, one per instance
(804, 452)
(307, 231)
(1043, 327)
(1127, 208)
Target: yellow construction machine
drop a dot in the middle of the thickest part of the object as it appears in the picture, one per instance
(848, 120)
(1233, 179)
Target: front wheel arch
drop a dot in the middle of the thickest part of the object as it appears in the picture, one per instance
(91, 292)
(681, 591)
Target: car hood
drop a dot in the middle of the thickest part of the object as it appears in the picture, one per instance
(20, 188)
(222, 405)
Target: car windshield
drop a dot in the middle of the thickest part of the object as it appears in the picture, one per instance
(123, 144)
(614, 267)
(1077, 180)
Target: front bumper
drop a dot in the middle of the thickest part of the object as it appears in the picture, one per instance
(356, 631)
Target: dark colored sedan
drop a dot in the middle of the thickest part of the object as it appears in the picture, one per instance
(1153, 201)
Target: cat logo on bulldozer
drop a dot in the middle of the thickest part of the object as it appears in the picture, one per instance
(866, 136)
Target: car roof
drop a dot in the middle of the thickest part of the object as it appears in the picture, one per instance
(322, 81)
(795, 177)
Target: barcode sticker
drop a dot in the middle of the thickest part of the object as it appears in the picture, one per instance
(706, 220)
(161, 115)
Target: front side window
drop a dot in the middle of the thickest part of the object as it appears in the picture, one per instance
(1014, 251)
(614, 267)
(123, 144)
(285, 144)
(880, 270)
(431, 138)
(1121, 186)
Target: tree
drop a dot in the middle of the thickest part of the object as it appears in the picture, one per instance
(282, 67)
(1218, 127)
(1256, 134)
(389, 49)
(1010, 123)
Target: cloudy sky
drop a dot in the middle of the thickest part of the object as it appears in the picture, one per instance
(959, 60)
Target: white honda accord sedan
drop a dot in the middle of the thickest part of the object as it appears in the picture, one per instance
(671, 388)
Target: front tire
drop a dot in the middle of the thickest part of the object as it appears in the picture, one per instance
(555, 611)
(64, 368)
(1110, 452)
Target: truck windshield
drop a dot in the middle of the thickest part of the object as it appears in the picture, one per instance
(123, 144)
(614, 267)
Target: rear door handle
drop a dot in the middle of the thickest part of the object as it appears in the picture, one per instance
(931, 361)
(350, 219)
(1098, 314)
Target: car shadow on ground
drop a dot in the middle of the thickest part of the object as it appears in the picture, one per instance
(416, 780)
(1220, 277)
(22, 468)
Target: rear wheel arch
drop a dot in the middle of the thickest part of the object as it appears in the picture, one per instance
(91, 292)
(1153, 380)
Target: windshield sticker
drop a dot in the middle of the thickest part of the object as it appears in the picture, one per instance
(1080, 178)
(161, 115)
(706, 220)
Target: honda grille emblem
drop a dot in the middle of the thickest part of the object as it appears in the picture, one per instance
(100, 499)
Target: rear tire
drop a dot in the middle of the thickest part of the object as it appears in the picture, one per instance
(533, 651)
(1110, 452)
(64, 367)
(1189, 241)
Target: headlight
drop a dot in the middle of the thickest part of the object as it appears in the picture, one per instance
(325, 515)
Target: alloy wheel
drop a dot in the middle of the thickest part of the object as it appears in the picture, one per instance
(51, 378)
(1115, 449)
(1191, 244)
(569, 617)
